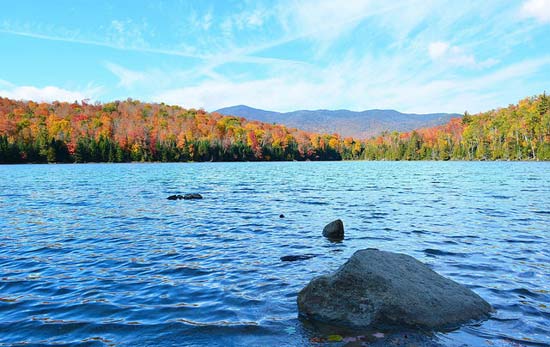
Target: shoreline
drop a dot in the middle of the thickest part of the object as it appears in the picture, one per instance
(286, 161)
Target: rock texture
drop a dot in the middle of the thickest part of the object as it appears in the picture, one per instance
(334, 230)
(185, 197)
(192, 196)
(376, 288)
(297, 257)
(175, 197)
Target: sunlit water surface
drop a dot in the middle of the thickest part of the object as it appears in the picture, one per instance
(96, 255)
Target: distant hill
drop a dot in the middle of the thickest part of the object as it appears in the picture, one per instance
(363, 124)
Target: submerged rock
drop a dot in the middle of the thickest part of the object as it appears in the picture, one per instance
(297, 257)
(334, 230)
(192, 196)
(185, 197)
(376, 288)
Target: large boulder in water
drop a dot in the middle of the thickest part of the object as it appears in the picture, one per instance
(334, 230)
(375, 288)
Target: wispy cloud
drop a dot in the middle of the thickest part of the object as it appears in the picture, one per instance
(438, 49)
(4, 83)
(202, 22)
(114, 44)
(127, 78)
(326, 20)
(361, 84)
(444, 52)
(126, 33)
(538, 9)
(414, 55)
(282, 92)
(120, 38)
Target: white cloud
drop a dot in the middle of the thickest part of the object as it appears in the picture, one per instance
(326, 20)
(127, 34)
(315, 15)
(200, 22)
(438, 49)
(411, 55)
(278, 93)
(538, 9)
(127, 78)
(113, 42)
(48, 93)
(226, 27)
(207, 20)
(255, 18)
(120, 35)
(445, 53)
(361, 84)
(5, 83)
(246, 20)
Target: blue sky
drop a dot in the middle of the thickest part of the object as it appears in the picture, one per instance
(413, 56)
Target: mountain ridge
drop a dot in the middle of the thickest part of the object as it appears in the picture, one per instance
(347, 123)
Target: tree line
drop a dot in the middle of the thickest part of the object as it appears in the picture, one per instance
(517, 132)
(126, 131)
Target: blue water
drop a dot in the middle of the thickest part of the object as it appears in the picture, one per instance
(96, 255)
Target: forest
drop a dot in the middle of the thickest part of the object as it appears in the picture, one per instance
(133, 131)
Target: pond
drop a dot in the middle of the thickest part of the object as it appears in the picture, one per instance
(95, 255)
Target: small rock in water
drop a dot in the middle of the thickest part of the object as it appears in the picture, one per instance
(334, 230)
(376, 288)
(281, 216)
(297, 257)
(185, 197)
(192, 196)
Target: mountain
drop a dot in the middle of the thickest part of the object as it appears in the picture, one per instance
(362, 124)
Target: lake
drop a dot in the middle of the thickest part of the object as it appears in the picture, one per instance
(95, 255)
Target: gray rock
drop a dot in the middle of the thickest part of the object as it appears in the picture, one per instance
(192, 196)
(334, 230)
(376, 288)
(297, 257)
(175, 197)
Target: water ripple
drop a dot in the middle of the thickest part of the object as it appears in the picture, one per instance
(95, 255)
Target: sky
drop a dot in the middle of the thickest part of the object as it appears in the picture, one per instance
(413, 56)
